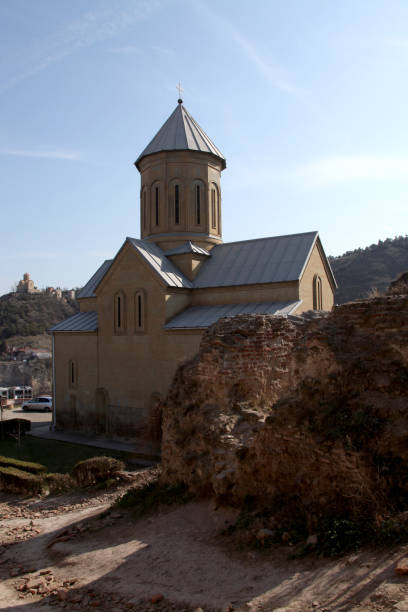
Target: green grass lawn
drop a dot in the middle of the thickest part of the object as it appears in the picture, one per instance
(57, 456)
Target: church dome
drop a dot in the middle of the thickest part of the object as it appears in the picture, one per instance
(181, 133)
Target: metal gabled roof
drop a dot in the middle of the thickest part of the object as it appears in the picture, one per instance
(276, 259)
(80, 322)
(188, 247)
(181, 133)
(249, 262)
(89, 289)
(200, 317)
(156, 258)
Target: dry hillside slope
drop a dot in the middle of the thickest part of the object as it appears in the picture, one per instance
(361, 271)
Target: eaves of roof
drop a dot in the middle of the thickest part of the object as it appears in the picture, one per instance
(201, 317)
(80, 322)
(88, 290)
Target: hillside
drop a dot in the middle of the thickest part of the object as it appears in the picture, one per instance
(361, 271)
(32, 314)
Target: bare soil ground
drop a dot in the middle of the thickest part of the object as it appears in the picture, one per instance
(67, 552)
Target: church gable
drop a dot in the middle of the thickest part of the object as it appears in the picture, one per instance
(131, 296)
(136, 256)
(317, 283)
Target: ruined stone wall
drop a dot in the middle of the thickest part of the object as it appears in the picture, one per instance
(309, 410)
(37, 373)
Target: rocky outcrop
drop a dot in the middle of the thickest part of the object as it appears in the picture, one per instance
(399, 286)
(296, 412)
(36, 373)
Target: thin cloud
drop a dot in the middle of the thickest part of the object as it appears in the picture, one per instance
(353, 168)
(57, 154)
(91, 28)
(269, 68)
(275, 74)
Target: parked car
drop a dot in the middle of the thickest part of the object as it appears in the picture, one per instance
(43, 402)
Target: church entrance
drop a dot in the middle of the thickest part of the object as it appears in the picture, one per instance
(101, 410)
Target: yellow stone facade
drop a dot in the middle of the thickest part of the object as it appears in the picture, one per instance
(110, 380)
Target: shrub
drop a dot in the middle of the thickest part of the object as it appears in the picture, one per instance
(14, 427)
(96, 470)
(14, 480)
(149, 497)
(342, 535)
(58, 483)
(27, 466)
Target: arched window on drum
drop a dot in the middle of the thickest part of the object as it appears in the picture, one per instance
(214, 204)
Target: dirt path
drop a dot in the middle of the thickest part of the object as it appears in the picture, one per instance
(75, 559)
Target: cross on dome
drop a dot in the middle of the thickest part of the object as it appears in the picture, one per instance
(180, 90)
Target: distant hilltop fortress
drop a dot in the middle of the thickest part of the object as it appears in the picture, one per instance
(26, 285)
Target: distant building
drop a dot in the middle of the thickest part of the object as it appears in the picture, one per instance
(27, 285)
(55, 291)
(69, 294)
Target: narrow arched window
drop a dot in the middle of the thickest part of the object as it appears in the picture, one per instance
(317, 293)
(213, 208)
(119, 313)
(176, 204)
(72, 373)
(157, 202)
(139, 311)
(144, 209)
(198, 204)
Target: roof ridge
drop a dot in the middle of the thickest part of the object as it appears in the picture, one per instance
(267, 238)
(187, 126)
(151, 252)
(205, 137)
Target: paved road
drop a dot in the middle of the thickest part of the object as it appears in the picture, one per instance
(38, 419)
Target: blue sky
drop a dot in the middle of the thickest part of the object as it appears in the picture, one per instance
(306, 100)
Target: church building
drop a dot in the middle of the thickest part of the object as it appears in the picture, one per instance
(144, 312)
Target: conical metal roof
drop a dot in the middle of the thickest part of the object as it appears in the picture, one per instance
(181, 133)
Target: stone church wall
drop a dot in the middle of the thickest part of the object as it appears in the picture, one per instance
(75, 402)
